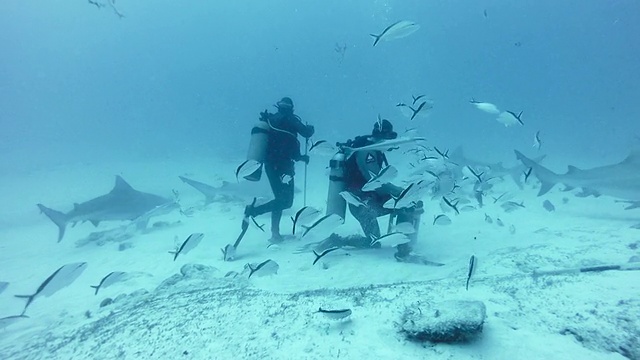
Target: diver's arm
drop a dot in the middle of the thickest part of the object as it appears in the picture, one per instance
(306, 131)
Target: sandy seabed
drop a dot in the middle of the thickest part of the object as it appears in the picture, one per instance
(205, 315)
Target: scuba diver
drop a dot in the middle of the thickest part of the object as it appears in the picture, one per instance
(354, 172)
(274, 143)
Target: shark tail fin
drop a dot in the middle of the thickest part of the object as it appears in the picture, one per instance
(376, 38)
(547, 178)
(58, 218)
(29, 300)
(97, 287)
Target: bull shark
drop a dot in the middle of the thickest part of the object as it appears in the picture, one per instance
(621, 180)
(123, 202)
(493, 169)
(229, 191)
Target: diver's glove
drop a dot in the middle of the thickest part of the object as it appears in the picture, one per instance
(264, 116)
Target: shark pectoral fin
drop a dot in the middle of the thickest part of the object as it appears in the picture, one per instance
(95, 222)
(545, 187)
(58, 218)
(568, 188)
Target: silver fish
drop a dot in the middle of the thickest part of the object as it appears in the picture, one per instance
(488, 219)
(472, 269)
(247, 168)
(109, 280)
(304, 216)
(189, 244)
(485, 106)
(335, 314)
(509, 118)
(441, 219)
(350, 198)
(323, 227)
(391, 240)
(267, 267)
(386, 175)
(60, 278)
(396, 30)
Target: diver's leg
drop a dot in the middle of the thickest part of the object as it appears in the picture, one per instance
(275, 183)
(283, 191)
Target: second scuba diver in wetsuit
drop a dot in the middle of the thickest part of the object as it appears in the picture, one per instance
(283, 149)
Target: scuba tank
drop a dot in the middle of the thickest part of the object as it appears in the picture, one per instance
(336, 204)
(258, 147)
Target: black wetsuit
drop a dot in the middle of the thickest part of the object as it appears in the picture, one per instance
(283, 149)
(355, 179)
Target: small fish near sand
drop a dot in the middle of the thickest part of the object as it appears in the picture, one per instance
(228, 253)
(335, 314)
(395, 31)
(110, 279)
(322, 254)
(488, 219)
(391, 240)
(547, 205)
(323, 227)
(472, 269)
(441, 219)
(63, 277)
(265, 268)
(304, 216)
(189, 244)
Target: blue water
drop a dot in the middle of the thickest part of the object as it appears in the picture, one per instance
(177, 79)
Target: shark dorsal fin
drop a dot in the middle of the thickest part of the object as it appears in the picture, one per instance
(633, 158)
(121, 185)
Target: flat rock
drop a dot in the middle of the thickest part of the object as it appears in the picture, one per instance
(445, 322)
